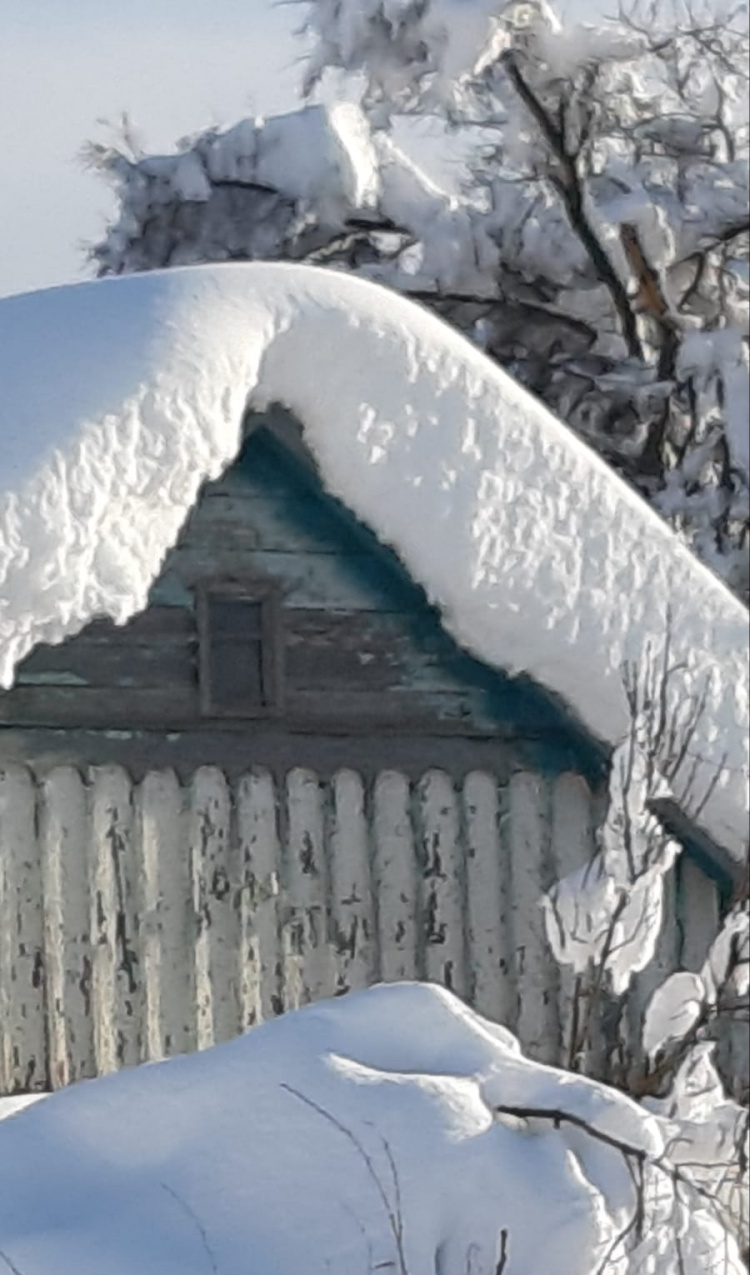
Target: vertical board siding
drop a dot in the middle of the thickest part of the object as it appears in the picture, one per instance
(699, 922)
(441, 861)
(308, 954)
(22, 1037)
(215, 883)
(698, 915)
(143, 920)
(116, 909)
(395, 875)
(534, 970)
(571, 846)
(259, 953)
(167, 923)
(352, 904)
(64, 825)
(488, 899)
(666, 959)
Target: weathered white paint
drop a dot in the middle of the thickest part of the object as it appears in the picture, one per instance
(63, 828)
(352, 901)
(395, 877)
(535, 973)
(116, 986)
(22, 1043)
(143, 920)
(308, 953)
(487, 889)
(441, 861)
(167, 923)
(259, 854)
(216, 927)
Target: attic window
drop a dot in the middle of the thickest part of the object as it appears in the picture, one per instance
(238, 651)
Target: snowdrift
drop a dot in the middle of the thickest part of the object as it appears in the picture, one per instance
(11, 1106)
(353, 1136)
(120, 397)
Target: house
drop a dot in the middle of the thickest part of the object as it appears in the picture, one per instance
(295, 764)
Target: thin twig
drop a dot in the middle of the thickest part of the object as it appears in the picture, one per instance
(187, 1209)
(10, 1265)
(395, 1221)
(502, 1257)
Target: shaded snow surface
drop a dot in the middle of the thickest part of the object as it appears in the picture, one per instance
(219, 1162)
(119, 397)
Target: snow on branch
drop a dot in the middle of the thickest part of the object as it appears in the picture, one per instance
(599, 236)
(604, 922)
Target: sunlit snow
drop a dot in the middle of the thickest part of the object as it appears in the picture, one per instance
(120, 397)
(358, 1135)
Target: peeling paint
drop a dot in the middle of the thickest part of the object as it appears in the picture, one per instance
(142, 920)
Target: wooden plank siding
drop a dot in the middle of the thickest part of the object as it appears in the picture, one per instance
(143, 920)
(362, 653)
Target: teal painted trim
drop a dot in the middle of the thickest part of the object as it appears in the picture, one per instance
(58, 678)
(542, 723)
(710, 858)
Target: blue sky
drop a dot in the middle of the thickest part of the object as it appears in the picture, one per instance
(65, 64)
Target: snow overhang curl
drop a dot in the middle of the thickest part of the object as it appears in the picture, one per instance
(120, 397)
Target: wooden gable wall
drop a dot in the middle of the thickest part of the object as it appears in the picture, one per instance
(362, 653)
(397, 816)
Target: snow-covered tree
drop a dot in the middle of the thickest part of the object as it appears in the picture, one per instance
(604, 922)
(598, 250)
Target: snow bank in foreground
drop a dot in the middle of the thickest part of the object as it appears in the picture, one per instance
(327, 1141)
(10, 1106)
(120, 397)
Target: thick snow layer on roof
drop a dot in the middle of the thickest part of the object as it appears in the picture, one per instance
(353, 1136)
(120, 397)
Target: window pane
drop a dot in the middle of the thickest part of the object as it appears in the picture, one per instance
(238, 618)
(235, 676)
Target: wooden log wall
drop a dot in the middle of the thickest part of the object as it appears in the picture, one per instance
(143, 920)
(359, 649)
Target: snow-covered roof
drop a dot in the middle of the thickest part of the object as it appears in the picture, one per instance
(119, 398)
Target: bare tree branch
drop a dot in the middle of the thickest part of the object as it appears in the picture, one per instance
(569, 187)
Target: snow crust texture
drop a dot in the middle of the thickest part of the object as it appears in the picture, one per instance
(367, 1133)
(120, 397)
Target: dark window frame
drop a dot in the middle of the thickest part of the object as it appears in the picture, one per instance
(266, 596)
